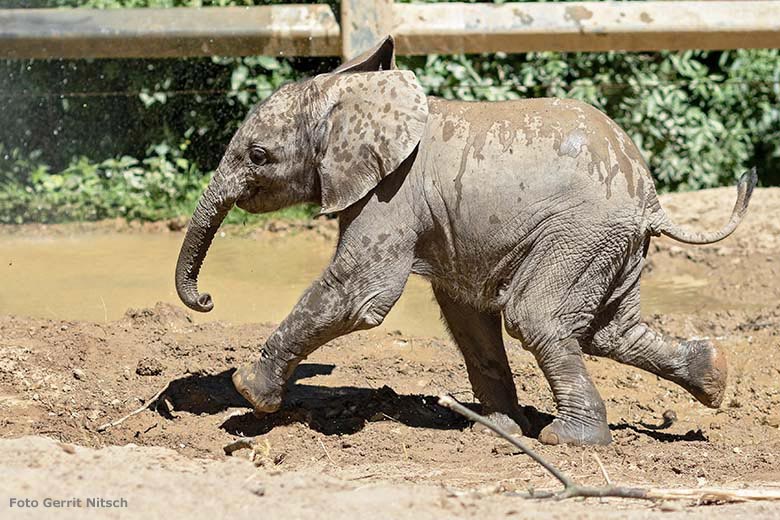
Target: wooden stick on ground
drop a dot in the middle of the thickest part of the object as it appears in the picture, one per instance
(146, 405)
(572, 489)
(240, 444)
(603, 469)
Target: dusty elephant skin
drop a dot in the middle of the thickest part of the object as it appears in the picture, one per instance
(538, 211)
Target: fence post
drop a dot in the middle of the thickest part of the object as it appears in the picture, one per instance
(363, 23)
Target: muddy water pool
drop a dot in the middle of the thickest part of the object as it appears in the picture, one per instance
(98, 277)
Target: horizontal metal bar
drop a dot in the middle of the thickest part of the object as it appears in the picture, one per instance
(286, 30)
(585, 26)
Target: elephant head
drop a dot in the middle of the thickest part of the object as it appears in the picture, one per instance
(328, 140)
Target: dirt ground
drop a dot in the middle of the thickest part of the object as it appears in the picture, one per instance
(360, 432)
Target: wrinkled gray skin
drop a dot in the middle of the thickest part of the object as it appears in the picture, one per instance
(539, 211)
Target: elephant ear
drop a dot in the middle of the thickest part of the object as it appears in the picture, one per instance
(372, 122)
(380, 57)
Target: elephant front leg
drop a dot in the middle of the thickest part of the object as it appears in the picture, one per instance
(549, 322)
(344, 299)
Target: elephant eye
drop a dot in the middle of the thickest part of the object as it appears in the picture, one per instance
(258, 155)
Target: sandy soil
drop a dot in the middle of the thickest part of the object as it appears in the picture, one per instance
(361, 433)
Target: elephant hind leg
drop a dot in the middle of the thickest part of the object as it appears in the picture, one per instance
(554, 300)
(478, 336)
(541, 322)
(582, 415)
(696, 365)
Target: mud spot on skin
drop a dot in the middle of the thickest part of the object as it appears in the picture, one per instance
(573, 143)
(571, 128)
(608, 157)
(448, 131)
(494, 220)
(612, 173)
(640, 187)
(646, 18)
(479, 125)
(506, 135)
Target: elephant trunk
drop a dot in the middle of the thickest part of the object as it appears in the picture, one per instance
(213, 206)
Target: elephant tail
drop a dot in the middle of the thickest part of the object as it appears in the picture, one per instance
(663, 225)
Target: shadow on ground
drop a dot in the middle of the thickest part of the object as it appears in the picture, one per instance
(329, 410)
(690, 436)
(340, 410)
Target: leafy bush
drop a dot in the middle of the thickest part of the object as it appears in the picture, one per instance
(700, 118)
(162, 185)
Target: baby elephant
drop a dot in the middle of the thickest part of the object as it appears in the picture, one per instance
(539, 211)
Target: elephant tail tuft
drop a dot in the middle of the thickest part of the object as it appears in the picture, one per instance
(663, 225)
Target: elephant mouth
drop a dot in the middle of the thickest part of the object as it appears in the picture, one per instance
(250, 201)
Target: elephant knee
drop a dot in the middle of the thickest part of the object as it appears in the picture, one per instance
(370, 319)
(371, 311)
(605, 341)
(534, 332)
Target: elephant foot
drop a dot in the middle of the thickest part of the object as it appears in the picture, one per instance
(707, 372)
(561, 431)
(258, 384)
(515, 425)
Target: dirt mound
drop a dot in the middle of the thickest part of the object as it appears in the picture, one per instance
(163, 316)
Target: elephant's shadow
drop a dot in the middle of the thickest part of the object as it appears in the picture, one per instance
(340, 410)
(329, 410)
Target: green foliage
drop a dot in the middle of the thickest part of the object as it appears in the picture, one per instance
(164, 185)
(700, 118)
